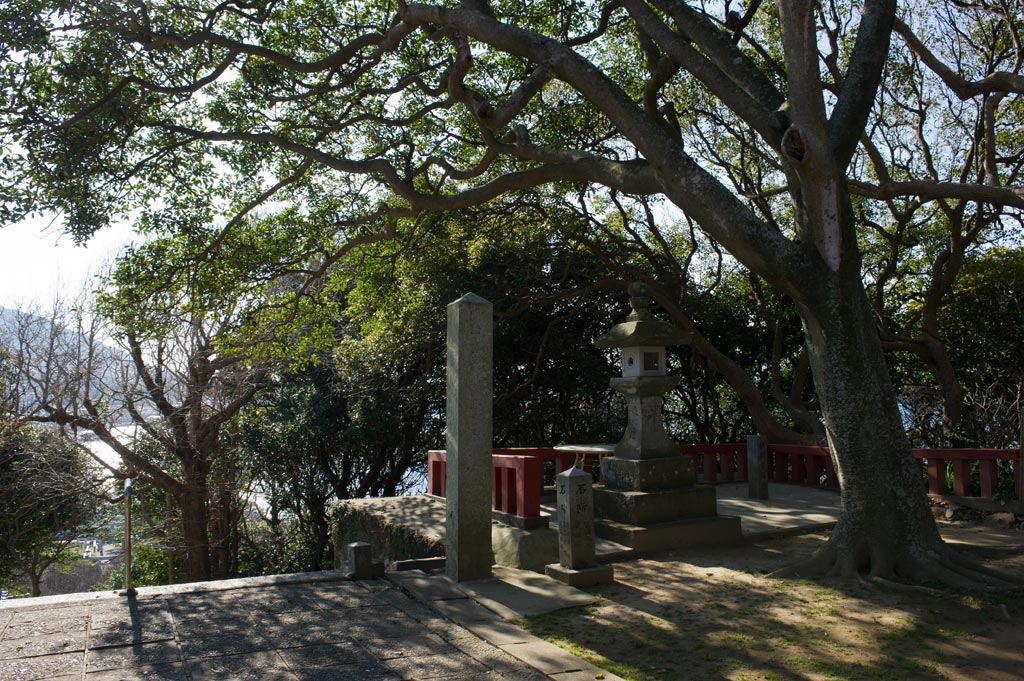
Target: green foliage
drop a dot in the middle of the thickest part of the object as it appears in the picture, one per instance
(980, 323)
(45, 501)
(149, 568)
(544, 357)
(983, 320)
(982, 327)
(279, 548)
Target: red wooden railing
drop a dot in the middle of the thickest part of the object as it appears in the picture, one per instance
(794, 464)
(518, 473)
(961, 464)
(517, 478)
(812, 466)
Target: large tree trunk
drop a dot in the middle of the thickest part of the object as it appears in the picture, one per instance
(885, 509)
(35, 580)
(193, 503)
(885, 527)
(223, 530)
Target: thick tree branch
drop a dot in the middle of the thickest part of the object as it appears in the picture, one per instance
(688, 185)
(720, 49)
(752, 111)
(864, 73)
(930, 190)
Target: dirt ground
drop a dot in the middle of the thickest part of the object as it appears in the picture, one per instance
(712, 614)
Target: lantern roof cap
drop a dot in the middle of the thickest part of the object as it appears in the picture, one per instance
(641, 327)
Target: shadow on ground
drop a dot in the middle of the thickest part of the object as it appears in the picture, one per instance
(712, 614)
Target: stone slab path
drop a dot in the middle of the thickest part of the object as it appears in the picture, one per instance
(318, 627)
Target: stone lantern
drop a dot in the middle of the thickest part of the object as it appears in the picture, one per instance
(642, 338)
(648, 500)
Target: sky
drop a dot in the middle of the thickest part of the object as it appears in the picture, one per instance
(38, 261)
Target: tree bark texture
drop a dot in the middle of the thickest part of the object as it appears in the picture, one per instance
(195, 523)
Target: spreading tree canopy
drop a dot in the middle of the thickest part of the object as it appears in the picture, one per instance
(785, 131)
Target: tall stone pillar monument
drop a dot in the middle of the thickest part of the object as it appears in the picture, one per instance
(649, 501)
(469, 439)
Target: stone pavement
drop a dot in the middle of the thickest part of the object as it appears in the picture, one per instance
(793, 509)
(320, 626)
(314, 627)
(788, 508)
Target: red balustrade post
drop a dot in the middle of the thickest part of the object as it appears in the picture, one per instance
(936, 475)
(961, 477)
(728, 463)
(564, 462)
(799, 474)
(989, 469)
(530, 482)
(436, 472)
(815, 467)
(710, 474)
(781, 467)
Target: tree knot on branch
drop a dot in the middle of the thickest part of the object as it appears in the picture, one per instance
(518, 136)
(794, 145)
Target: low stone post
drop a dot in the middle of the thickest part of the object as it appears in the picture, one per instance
(468, 552)
(359, 557)
(576, 565)
(757, 467)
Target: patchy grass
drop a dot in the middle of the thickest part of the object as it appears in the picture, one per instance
(712, 614)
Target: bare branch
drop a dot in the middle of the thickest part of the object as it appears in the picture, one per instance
(1000, 81)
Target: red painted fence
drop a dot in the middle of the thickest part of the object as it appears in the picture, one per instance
(961, 462)
(795, 464)
(518, 474)
(812, 466)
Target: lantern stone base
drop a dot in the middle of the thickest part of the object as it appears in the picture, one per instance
(646, 475)
(658, 506)
(652, 505)
(588, 576)
(674, 534)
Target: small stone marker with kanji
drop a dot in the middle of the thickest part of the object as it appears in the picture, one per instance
(576, 564)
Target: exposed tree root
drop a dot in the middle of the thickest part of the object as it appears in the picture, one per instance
(901, 586)
(818, 564)
(907, 571)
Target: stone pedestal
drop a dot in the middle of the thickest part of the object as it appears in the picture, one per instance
(649, 501)
(576, 565)
(659, 519)
(645, 435)
(359, 556)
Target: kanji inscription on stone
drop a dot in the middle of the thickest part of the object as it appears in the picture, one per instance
(575, 518)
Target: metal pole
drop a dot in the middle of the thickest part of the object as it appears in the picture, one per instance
(1020, 445)
(170, 545)
(128, 535)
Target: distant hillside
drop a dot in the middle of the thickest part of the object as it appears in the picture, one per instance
(69, 344)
